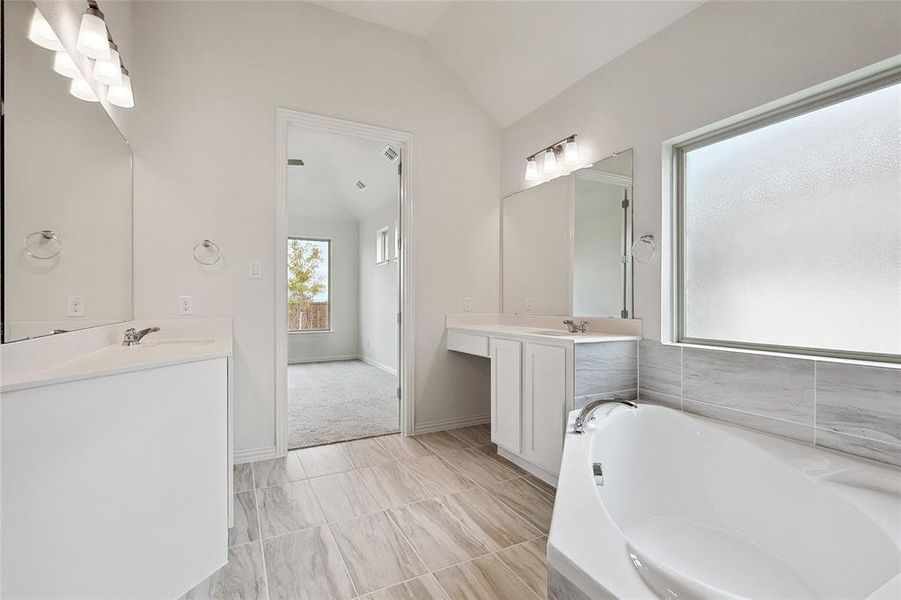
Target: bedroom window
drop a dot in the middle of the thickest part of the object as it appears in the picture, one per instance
(788, 228)
(382, 246)
(309, 285)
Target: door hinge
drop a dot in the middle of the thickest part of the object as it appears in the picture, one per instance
(398, 318)
(625, 259)
(398, 393)
(624, 314)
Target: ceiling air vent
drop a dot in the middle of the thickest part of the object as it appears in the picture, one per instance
(390, 153)
(360, 184)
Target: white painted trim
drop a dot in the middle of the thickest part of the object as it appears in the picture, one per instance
(255, 454)
(444, 424)
(285, 118)
(321, 359)
(542, 474)
(378, 365)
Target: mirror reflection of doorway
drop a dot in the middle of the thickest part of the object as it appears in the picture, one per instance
(342, 288)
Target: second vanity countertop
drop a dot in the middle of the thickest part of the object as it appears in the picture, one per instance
(543, 333)
(156, 350)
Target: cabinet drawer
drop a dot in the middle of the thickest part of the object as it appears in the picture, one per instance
(469, 343)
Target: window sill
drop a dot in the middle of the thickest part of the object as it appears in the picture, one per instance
(812, 357)
(310, 331)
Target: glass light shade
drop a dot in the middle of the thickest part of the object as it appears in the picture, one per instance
(571, 152)
(81, 89)
(121, 95)
(550, 161)
(531, 169)
(40, 32)
(108, 71)
(92, 36)
(65, 66)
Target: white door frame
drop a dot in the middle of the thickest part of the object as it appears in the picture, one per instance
(286, 118)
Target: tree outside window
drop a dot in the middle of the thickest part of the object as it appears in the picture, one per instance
(308, 284)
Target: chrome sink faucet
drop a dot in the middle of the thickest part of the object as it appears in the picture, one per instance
(133, 337)
(582, 327)
(587, 412)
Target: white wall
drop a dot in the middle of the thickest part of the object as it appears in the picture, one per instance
(720, 60)
(378, 292)
(209, 76)
(341, 342)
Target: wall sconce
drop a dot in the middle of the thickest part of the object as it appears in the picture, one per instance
(109, 71)
(567, 147)
(93, 41)
(65, 66)
(81, 89)
(121, 95)
(40, 32)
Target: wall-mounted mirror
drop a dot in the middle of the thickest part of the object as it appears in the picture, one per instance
(67, 203)
(564, 243)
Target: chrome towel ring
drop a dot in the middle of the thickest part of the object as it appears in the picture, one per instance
(45, 238)
(210, 248)
(647, 238)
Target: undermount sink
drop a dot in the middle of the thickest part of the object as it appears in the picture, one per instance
(159, 342)
(556, 332)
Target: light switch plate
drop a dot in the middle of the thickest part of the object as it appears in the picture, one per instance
(186, 305)
(467, 304)
(256, 270)
(528, 304)
(75, 306)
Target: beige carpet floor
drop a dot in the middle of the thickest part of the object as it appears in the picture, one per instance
(339, 401)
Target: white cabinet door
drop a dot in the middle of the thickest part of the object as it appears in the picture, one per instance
(506, 393)
(544, 405)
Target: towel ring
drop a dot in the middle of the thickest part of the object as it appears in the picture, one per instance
(213, 248)
(46, 237)
(647, 239)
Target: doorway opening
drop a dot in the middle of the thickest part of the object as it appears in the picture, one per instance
(340, 275)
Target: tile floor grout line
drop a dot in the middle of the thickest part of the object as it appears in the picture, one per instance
(512, 572)
(334, 539)
(256, 505)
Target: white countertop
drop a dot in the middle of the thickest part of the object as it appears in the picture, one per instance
(156, 350)
(540, 333)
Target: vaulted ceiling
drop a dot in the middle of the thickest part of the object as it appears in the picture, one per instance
(514, 56)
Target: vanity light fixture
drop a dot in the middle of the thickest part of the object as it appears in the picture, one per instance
(109, 71)
(81, 89)
(567, 148)
(550, 160)
(65, 66)
(40, 32)
(93, 39)
(121, 95)
(531, 169)
(571, 151)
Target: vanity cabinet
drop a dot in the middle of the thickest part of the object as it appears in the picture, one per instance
(544, 405)
(506, 393)
(537, 377)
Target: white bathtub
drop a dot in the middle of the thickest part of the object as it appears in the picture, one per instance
(691, 508)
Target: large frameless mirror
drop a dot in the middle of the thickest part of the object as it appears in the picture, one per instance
(566, 243)
(67, 196)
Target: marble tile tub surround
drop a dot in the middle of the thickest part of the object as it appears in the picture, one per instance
(852, 408)
(437, 516)
(606, 369)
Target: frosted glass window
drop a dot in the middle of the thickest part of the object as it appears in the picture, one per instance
(791, 233)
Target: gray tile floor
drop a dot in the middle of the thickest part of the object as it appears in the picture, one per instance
(336, 401)
(438, 516)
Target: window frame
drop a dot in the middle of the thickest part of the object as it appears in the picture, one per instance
(833, 95)
(382, 252)
(330, 328)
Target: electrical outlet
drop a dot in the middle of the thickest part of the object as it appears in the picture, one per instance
(186, 305)
(256, 270)
(528, 304)
(75, 306)
(467, 304)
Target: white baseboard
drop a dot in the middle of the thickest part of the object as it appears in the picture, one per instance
(255, 454)
(378, 365)
(451, 423)
(320, 359)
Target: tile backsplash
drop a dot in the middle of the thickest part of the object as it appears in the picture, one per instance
(605, 369)
(846, 407)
